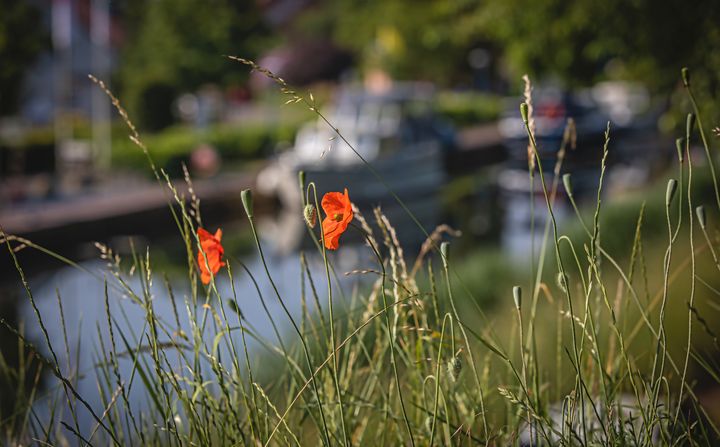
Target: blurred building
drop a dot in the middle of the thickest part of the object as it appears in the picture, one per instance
(86, 36)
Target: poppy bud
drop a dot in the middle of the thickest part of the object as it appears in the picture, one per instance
(301, 180)
(567, 184)
(247, 201)
(428, 423)
(310, 215)
(680, 146)
(685, 73)
(670, 192)
(689, 124)
(454, 367)
(444, 252)
(700, 211)
(517, 297)
(562, 281)
(524, 112)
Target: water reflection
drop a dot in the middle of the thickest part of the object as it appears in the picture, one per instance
(86, 321)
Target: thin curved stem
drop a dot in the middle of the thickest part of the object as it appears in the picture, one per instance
(391, 339)
(306, 351)
(437, 377)
(346, 440)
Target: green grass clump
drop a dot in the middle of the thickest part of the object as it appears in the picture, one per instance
(604, 341)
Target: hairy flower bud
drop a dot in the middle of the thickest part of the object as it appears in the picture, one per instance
(247, 201)
(562, 281)
(566, 178)
(680, 146)
(301, 181)
(310, 215)
(702, 219)
(689, 125)
(444, 252)
(670, 191)
(428, 423)
(685, 73)
(454, 368)
(524, 112)
(517, 297)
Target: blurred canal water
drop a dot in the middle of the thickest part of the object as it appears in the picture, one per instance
(86, 321)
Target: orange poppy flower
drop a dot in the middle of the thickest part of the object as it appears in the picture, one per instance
(210, 247)
(338, 214)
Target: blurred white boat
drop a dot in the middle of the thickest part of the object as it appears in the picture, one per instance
(395, 132)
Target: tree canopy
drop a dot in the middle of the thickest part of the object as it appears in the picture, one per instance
(18, 48)
(179, 45)
(579, 41)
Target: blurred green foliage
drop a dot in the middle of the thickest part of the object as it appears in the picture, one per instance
(646, 39)
(467, 108)
(580, 41)
(177, 46)
(18, 48)
(410, 40)
(232, 142)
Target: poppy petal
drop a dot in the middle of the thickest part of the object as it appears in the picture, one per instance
(338, 211)
(210, 254)
(204, 235)
(333, 202)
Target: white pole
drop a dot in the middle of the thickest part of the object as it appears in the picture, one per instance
(100, 66)
(62, 68)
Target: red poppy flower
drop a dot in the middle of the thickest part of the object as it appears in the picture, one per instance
(338, 214)
(210, 247)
